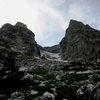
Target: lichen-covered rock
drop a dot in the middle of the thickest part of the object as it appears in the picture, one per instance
(80, 42)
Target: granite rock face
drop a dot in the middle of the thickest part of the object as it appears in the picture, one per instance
(80, 42)
(18, 39)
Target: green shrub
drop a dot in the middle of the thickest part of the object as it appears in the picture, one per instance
(49, 77)
(75, 77)
(39, 71)
(66, 91)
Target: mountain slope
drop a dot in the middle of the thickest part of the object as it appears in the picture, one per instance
(80, 42)
(53, 49)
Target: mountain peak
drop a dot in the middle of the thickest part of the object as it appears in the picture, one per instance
(6, 26)
(18, 38)
(21, 25)
(75, 21)
(72, 21)
(75, 25)
(80, 41)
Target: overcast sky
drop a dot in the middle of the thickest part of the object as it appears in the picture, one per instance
(48, 19)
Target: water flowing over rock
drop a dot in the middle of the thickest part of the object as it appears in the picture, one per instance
(80, 42)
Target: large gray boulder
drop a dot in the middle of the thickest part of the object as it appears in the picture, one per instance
(84, 91)
(80, 42)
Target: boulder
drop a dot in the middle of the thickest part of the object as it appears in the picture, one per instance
(95, 94)
(46, 96)
(28, 76)
(3, 97)
(17, 96)
(84, 91)
(33, 92)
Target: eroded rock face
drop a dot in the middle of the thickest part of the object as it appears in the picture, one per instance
(18, 39)
(80, 42)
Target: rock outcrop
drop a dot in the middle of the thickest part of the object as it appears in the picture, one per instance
(18, 39)
(53, 49)
(80, 42)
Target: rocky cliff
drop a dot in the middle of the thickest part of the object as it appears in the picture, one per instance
(17, 39)
(80, 42)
